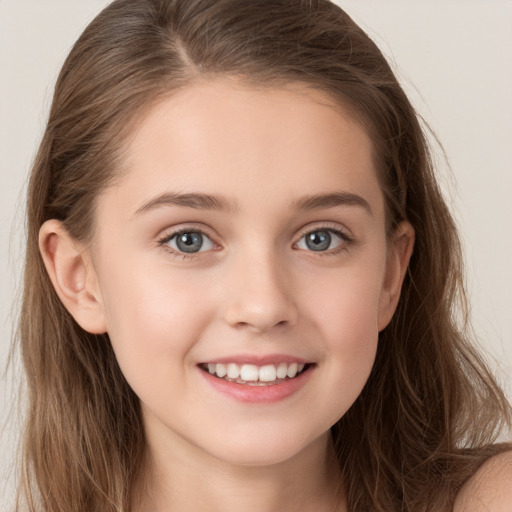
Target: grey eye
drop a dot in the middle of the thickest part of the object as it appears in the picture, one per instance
(190, 242)
(320, 240)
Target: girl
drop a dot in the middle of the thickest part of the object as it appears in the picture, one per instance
(240, 277)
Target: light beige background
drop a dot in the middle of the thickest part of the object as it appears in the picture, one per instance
(452, 56)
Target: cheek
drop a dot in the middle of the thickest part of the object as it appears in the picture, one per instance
(349, 326)
(345, 304)
(153, 318)
(346, 316)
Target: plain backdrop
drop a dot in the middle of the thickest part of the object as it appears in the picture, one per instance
(452, 56)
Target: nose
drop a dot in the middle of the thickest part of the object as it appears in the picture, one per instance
(260, 294)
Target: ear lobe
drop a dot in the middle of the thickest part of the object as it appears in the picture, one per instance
(399, 254)
(72, 276)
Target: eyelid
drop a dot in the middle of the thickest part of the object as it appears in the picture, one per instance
(168, 235)
(327, 226)
(343, 233)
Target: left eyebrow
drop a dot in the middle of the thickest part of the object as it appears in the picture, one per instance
(331, 200)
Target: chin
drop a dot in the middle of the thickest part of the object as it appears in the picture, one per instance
(260, 451)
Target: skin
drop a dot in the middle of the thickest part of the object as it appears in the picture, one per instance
(255, 288)
(489, 489)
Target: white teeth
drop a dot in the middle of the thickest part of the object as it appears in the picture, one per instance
(220, 370)
(282, 371)
(292, 370)
(251, 373)
(268, 373)
(233, 371)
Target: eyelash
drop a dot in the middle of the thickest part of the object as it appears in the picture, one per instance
(345, 237)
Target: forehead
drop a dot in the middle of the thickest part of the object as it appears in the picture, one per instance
(224, 135)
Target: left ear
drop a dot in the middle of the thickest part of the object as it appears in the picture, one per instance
(399, 253)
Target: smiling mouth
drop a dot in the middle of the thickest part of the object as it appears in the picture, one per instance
(253, 375)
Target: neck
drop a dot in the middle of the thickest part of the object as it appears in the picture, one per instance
(309, 481)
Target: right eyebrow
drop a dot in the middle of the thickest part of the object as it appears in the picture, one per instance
(190, 200)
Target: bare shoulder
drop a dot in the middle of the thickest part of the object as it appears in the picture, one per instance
(489, 489)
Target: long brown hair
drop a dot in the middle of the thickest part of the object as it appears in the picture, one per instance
(430, 410)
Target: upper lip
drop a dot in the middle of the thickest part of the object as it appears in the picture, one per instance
(258, 360)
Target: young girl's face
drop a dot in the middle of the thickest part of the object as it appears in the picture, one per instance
(246, 236)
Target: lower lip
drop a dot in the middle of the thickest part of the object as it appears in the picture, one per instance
(258, 394)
